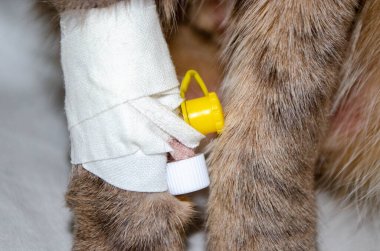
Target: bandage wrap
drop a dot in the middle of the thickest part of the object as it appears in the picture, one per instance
(121, 94)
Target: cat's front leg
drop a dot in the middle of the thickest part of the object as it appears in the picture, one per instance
(115, 62)
(282, 60)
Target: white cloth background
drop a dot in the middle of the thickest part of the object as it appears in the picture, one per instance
(34, 152)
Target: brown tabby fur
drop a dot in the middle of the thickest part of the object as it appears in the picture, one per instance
(282, 61)
(167, 9)
(107, 218)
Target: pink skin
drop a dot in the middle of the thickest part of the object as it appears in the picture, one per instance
(180, 152)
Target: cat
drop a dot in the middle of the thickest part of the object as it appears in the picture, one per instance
(284, 62)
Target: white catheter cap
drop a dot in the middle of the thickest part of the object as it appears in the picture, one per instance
(189, 175)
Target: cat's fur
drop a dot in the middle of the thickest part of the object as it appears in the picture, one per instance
(350, 156)
(282, 61)
(107, 218)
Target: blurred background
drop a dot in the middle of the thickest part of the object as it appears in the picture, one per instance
(34, 146)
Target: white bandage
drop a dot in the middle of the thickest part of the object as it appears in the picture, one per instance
(121, 91)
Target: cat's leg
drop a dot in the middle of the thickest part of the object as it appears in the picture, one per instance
(282, 60)
(107, 218)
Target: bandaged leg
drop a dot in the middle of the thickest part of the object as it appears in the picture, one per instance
(121, 94)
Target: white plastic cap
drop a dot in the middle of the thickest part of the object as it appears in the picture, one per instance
(189, 175)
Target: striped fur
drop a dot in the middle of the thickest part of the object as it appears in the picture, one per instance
(282, 60)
